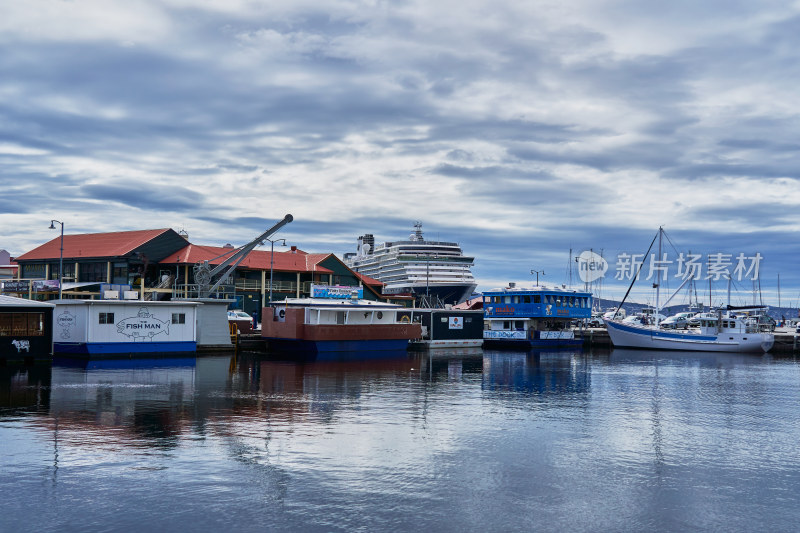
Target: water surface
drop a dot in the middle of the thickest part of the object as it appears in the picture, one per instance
(461, 441)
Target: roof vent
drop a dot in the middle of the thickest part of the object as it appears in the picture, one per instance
(294, 249)
(511, 284)
(228, 245)
(183, 234)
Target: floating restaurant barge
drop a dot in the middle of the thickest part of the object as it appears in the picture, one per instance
(119, 328)
(26, 329)
(532, 318)
(320, 325)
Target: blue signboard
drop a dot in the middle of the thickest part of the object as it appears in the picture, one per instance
(336, 291)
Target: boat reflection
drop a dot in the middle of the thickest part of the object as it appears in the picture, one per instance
(538, 371)
(24, 388)
(701, 359)
(449, 364)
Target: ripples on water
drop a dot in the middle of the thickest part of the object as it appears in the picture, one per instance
(476, 441)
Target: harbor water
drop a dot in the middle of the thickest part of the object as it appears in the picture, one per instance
(619, 440)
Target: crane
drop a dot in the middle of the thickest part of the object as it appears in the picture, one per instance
(204, 273)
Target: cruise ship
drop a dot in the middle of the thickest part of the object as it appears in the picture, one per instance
(433, 271)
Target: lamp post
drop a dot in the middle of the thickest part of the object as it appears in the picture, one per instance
(537, 272)
(60, 257)
(272, 262)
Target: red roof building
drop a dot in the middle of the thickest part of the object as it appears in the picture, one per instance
(162, 262)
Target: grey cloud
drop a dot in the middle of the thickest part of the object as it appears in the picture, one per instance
(151, 197)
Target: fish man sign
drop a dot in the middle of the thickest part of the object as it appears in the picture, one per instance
(143, 326)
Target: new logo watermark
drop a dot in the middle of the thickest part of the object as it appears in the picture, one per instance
(591, 266)
(714, 267)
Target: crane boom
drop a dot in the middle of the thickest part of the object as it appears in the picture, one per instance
(203, 273)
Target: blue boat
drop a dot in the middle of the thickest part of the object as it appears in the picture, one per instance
(536, 317)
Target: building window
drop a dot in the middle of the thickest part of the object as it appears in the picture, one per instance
(106, 318)
(179, 318)
(33, 271)
(91, 272)
(119, 273)
(21, 324)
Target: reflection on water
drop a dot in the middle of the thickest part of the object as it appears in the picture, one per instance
(447, 440)
(541, 372)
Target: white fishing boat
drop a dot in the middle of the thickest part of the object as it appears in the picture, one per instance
(728, 330)
(721, 333)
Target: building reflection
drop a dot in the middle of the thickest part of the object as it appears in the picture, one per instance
(157, 402)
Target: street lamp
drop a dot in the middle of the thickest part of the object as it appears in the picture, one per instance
(272, 261)
(60, 257)
(537, 272)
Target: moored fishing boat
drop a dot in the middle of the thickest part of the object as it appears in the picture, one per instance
(724, 331)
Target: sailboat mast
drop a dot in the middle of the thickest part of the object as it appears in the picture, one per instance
(658, 275)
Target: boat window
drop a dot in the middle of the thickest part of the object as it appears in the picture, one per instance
(526, 299)
(106, 318)
(179, 318)
(537, 299)
(22, 324)
(507, 299)
(487, 299)
(515, 299)
(340, 317)
(506, 324)
(519, 325)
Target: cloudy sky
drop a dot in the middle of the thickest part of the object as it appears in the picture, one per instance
(520, 129)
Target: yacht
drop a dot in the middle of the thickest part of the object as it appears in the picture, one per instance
(433, 271)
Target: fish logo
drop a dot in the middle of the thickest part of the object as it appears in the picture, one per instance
(143, 326)
(67, 321)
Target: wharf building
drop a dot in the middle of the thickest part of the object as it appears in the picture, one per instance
(159, 264)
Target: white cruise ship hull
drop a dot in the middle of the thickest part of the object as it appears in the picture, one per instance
(632, 336)
(447, 293)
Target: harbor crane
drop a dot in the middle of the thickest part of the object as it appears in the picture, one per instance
(204, 273)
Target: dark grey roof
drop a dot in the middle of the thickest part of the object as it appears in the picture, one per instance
(11, 301)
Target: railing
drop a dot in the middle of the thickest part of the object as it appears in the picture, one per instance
(255, 285)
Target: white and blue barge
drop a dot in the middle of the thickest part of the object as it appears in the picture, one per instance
(124, 328)
(524, 318)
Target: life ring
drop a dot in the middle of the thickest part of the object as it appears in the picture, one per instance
(405, 319)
